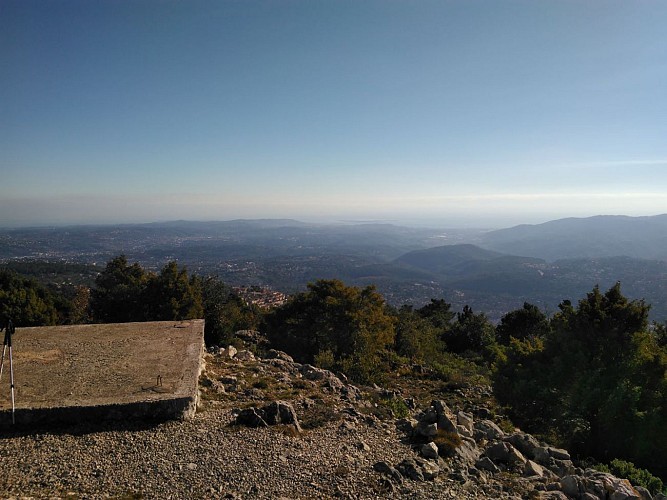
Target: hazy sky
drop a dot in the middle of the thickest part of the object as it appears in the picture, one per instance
(469, 112)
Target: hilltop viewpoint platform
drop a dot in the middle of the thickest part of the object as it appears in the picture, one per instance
(92, 373)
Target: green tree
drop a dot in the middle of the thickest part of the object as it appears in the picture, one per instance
(172, 295)
(659, 331)
(470, 333)
(439, 314)
(599, 380)
(225, 313)
(26, 302)
(417, 337)
(119, 293)
(350, 323)
(125, 293)
(525, 323)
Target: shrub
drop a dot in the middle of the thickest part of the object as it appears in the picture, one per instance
(447, 442)
(397, 407)
(261, 384)
(638, 477)
(458, 371)
(318, 416)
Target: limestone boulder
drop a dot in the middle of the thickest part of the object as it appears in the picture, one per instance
(505, 453)
(281, 412)
(409, 469)
(251, 417)
(429, 450)
(525, 443)
(428, 416)
(310, 372)
(553, 495)
(608, 486)
(407, 425)
(572, 486)
(467, 452)
(485, 463)
(388, 470)
(228, 353)
(429, 468)
(533, 469)
(275, 413)
(465, 420)
(274, 354)
(426, 430)
(558, 453)
(487, 429)
(444, 420)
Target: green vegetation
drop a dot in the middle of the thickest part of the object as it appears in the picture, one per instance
(172, 295)
(348, 327)
(396, 407)
(523, 324)
(595, 381)
(118, 295)
(125, 292)
(225, 313)
(26, 302)
(470, 333)
(638, 477)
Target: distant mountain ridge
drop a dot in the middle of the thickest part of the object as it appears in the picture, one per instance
(591, 237)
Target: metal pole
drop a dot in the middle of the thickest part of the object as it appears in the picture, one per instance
(11, 379)
(2, 364)
(9, 330)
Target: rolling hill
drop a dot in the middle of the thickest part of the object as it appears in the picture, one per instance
(600, 236)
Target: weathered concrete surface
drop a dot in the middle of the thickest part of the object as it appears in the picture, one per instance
(92, 372)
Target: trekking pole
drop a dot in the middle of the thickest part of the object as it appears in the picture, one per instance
(9, 330)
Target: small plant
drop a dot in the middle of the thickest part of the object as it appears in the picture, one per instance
(261, 384)
(458, 371)
(447, 442)
(506, 426)
(396, 406)
(301, 384)
(638, 477)
(319, 415)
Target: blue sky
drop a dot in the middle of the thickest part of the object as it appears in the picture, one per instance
(484, 113)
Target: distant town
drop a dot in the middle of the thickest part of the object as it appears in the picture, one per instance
(264, 298)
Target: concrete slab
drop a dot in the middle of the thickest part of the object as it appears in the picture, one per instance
(69, 374)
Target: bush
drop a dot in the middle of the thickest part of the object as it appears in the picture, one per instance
(397, 407)
(447, 442)
(638, 477)
(458, 371)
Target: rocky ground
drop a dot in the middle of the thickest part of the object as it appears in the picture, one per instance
(272, 428)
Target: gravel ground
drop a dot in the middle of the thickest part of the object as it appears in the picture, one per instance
(207, 457)
(202, 458)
